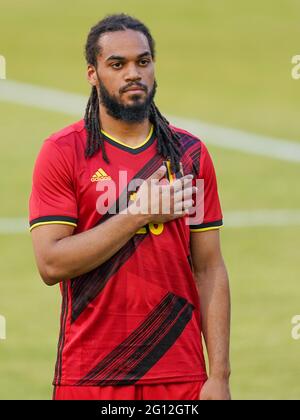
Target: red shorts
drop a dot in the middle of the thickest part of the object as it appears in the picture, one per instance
(168, 391)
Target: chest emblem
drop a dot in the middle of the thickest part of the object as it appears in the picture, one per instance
(100, 175)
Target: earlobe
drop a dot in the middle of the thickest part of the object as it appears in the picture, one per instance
(91, 79)
(91, 76)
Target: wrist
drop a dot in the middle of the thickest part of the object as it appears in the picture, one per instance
(220, 374)
(142, 219)
(139, 218)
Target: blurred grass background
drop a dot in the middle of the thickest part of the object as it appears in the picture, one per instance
(224, 62)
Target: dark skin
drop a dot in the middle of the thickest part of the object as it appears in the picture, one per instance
(61, 255)
(213, 286)
(125, 59)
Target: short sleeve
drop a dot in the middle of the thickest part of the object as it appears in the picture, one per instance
(208, 214)
(52, 199)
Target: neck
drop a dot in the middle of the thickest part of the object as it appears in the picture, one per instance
(132, 134)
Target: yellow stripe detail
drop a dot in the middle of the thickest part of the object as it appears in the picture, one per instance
(133, 196)
(156, 230)
(52, 223)
(142, 230)
(169, 171)
(205, 229)
(102, 172)
(124, 144)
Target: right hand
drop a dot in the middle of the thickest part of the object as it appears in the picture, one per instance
(161, 201)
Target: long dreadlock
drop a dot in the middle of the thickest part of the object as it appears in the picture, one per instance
(168, 144)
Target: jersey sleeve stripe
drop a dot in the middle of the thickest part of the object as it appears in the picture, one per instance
(206, 226)
(48, 220)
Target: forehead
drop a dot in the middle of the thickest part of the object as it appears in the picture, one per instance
(123, 43)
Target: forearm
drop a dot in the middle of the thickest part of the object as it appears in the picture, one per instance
(213, 288)
(61, 255)
(78, 254)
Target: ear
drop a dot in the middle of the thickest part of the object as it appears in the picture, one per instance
(91, 75)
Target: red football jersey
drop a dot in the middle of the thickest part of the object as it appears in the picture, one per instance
(135, 318)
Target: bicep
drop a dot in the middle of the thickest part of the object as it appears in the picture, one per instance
(44, 238)
(205, 249)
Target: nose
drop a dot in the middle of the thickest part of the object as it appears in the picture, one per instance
(132, 73)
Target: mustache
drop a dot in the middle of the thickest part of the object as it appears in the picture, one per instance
(135, 84)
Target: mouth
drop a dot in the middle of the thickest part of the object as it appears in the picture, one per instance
(135, 89)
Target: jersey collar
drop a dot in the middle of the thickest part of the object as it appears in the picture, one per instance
(131, 149)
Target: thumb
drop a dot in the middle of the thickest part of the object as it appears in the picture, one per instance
(158, 174)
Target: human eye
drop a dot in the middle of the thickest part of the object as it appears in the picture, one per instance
(116, 66)
(144, 62)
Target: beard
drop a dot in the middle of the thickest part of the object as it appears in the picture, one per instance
(135, 113)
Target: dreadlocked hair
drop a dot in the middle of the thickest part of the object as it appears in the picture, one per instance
(168, 141)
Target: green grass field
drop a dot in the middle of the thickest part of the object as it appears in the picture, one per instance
(223, 62)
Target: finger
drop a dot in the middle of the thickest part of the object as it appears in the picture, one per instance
(183, 182)
(185, 193)
(183, 206)
(183, 179)
(158, 174)
(164, 182)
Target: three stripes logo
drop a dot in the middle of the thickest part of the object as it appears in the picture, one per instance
(100, 175)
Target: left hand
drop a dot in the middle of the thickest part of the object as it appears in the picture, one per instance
(215, 389)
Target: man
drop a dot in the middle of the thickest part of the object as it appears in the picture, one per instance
(130, 272)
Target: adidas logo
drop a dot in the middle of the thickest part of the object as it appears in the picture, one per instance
(100, 175)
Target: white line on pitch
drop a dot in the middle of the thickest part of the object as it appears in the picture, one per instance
(74, 104)
(232, 219)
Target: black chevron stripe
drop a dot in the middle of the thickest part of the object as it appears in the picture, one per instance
(125, 348)
(94, 282)
(85, 288)
(134, 357)
(61, 342)
(161, 347)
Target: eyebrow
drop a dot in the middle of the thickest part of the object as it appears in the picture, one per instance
(120, 58)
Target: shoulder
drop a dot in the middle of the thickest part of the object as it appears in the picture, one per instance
(67, 136)
(189, 141)
(59, 149)
(184, 133)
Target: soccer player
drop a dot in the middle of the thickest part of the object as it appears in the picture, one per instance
(140, 285)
